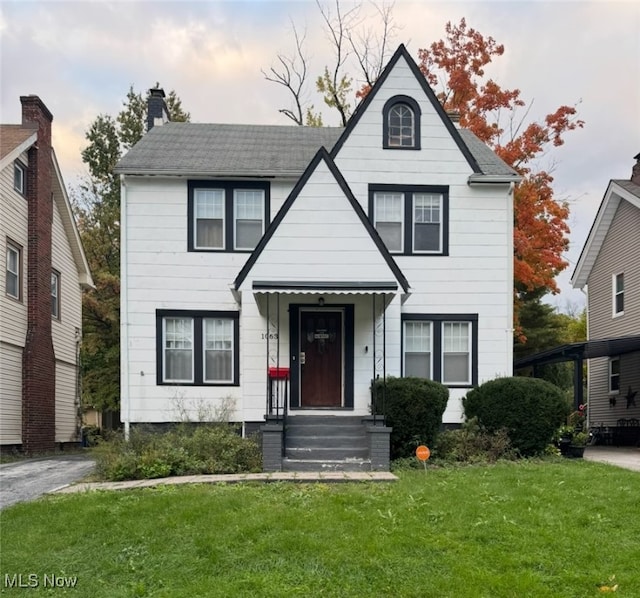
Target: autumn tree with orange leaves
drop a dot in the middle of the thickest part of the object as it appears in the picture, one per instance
(454, 67)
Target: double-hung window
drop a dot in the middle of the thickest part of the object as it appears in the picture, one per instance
(197, 347)
(618, 294)
(19, 178)
(411, 220)
(614, 375)
(226, 216)
(441, 347)
(55, 295)
(13, 284)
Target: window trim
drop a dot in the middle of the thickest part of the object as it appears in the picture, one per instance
(229, 188)
(415, 107)
(437, 342)
(197, 317)
(55, 274)
(408, 192)
(613, 360)
(20, 167)
(17, 248)
(617, 294)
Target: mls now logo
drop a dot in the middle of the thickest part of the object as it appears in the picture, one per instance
(33, 580)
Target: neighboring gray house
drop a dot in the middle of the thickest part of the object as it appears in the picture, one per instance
(609, 269)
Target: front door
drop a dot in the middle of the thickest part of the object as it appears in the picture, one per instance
(321, 358)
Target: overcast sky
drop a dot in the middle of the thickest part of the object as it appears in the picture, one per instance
(81, 58)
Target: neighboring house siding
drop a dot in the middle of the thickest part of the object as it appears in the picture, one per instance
(63, 331)
(620, 252)
(10, 394)
(66, 405)
(13, 225)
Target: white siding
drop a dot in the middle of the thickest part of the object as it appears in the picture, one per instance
(321, 238)
(10, 394)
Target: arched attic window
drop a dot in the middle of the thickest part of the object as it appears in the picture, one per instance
(401, 123)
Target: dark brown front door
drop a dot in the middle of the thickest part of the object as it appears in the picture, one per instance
(321, 358)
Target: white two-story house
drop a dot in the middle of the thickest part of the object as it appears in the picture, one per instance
(327, 256)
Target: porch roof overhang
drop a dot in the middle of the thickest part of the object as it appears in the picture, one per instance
(324, 287)
(586, 350)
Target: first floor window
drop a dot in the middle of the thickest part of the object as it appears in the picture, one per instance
(456, 353)
(614, 375)
(14, 271)
(218, 350)
(197, 347)
(55, 294)
(441, 347)
(417, 349)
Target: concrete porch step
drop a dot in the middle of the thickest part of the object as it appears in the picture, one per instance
(289, 464)
(300, 440)
(327, 453)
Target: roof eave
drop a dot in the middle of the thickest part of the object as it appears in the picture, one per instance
(264, 174)
(493, 179)
(16, 151)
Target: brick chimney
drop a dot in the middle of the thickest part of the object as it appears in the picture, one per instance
(157, 111)
(635, 173)
(38, 360)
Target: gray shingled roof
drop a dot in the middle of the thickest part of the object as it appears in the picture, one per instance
(628, 185)
(227, 150)
(193, 149)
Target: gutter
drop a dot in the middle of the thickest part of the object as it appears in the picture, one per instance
(493, 179)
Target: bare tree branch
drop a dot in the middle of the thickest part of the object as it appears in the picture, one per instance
(292, 75)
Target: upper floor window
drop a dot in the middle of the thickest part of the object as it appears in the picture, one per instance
(401, 123)
(13, 285)
(441, 347)
(411, 219)
(227, 216)
(618, 294)
(19, 179)
(55, 294)
(197, 348)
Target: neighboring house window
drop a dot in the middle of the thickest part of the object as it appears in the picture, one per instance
(19, 177)
(618, 294)
(401, 123)
(441, 347)
(197, 347)
(55, 294)
(614, 375)
(226, 216)
(411, 219)
(14, 271)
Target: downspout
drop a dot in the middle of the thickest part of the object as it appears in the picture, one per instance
(125, 402)
(78, 389)
(510, 257)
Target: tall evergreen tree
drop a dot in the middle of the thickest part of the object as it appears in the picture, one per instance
(97, 208)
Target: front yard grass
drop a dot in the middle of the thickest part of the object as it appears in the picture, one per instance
(540, 529)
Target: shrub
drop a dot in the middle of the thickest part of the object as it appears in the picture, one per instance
(413, 408)
(529, 409)
(473, 444)
(185, 450)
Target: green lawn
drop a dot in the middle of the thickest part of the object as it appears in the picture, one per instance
(554, 529)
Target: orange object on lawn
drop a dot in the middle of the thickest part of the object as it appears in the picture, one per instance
(423, 452)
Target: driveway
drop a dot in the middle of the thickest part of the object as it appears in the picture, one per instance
(26, 480)
(627, 457)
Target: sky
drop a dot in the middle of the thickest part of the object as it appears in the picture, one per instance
(82, 57)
